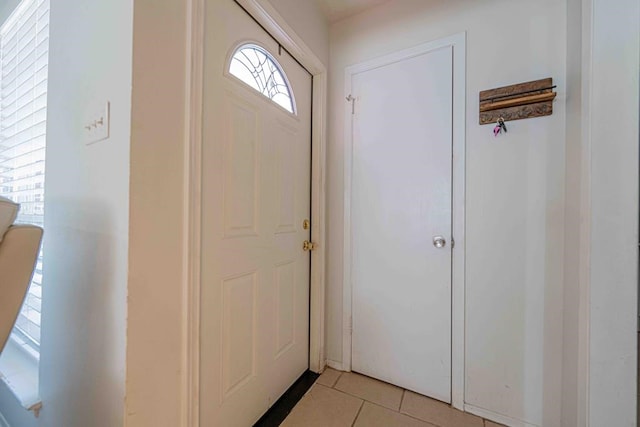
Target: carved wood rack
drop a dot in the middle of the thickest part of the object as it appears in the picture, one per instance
(516, 102)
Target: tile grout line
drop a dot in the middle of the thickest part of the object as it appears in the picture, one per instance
(358, 414)
(362, 398)
(346, 394)
(429, 423)
(399, 411)
(336, 381)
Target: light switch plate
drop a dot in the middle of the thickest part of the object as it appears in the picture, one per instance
(96, 126)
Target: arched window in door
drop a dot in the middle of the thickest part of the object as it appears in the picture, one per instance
(256, 67)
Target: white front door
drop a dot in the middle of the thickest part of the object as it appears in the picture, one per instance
(400, 201)
(256, 196)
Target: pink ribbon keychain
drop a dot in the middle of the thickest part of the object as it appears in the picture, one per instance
(500, 127)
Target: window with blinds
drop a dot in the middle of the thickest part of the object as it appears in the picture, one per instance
(24, 46)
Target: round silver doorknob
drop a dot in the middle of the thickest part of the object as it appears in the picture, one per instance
(439, 242)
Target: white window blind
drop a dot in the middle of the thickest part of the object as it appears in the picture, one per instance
(24, 47)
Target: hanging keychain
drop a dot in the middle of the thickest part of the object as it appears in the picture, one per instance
(500, 127)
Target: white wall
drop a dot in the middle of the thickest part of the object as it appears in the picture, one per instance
(613, 71)
(87, 216)
(515, 192)
(82, 364)
(155, 394)
(307, 20)
(575, 236)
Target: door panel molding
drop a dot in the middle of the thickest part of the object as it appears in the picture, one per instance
(458, 43)
(275, 24)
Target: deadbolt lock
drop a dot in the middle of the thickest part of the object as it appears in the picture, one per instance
(306, 224)
(308, 246)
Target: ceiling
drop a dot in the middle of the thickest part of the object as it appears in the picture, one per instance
(340, 9)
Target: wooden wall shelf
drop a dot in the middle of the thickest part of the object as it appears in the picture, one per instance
(516, 102)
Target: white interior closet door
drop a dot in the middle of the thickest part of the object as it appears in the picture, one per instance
(401, 222)
(256, 196)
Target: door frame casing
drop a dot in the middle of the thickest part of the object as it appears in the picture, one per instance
(458, 44)
(263, 12)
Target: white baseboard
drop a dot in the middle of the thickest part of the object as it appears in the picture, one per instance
(3, 421)
(495, 417)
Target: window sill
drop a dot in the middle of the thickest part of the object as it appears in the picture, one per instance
(19, 372)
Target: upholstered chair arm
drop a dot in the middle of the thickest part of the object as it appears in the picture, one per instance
(18, 255)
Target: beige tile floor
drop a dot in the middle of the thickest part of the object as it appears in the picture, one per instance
(344, 399)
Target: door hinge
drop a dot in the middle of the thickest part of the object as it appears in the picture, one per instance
(308, 246)
(352, 100)
(453, 242)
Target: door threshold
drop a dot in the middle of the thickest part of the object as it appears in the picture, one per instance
(283, 406)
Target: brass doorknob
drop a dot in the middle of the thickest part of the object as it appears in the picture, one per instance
(308, 246)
